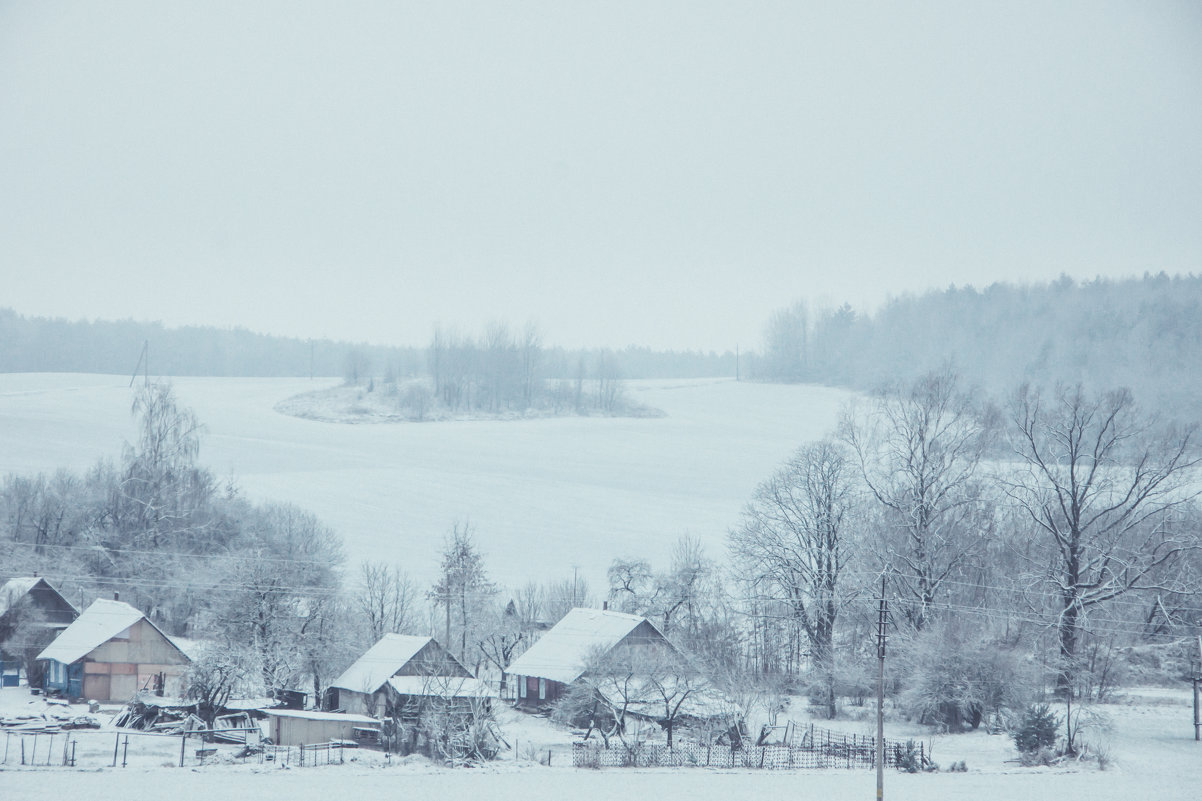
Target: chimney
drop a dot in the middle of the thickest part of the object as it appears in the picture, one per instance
(116, 596)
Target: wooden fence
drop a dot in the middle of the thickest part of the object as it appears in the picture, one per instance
(814, 748)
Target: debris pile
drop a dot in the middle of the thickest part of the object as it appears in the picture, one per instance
(161, 716)
(50, 720)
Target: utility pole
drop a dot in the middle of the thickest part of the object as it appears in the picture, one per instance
(882, 615)
(736, 362)
(1197, 678)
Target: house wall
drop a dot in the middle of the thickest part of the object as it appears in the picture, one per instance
(302, 731)
(551, 691)
(354, 703)
(119, 668)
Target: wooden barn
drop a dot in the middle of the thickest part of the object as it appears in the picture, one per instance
(32, 614)
(543, 674)
(111, 652)
(397, 673)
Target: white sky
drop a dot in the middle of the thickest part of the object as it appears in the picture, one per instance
(661, 173)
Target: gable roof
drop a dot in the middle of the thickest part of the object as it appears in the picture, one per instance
(380, 662)
(562, 653)
(14, 590)
(99, 623)
(17, 588)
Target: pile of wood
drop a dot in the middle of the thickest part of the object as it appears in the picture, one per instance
(159, 718)
(181, 718)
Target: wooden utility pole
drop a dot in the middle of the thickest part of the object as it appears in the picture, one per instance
(882, 615)
(1197, 678)
(143, 363)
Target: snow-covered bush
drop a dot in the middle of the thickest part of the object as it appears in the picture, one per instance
(955, 678)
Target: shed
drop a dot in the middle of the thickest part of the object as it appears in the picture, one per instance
(111, 652)
(561, 656)
(305, 727)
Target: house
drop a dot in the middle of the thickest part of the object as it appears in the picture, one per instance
(111, 652)
(32, 613)
(543, 674)
(308, 727)
(397, 673)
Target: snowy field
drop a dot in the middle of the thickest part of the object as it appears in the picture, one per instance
(1149, 736)
(544, 495)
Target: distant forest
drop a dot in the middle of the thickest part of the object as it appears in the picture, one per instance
(1141, 333)
(40, 344)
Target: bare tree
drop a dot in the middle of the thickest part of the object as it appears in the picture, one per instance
(794, 545)
(1106, 486)
(919, 449)
(386, 599)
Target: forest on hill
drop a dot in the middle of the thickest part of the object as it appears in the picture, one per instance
(1141, 333)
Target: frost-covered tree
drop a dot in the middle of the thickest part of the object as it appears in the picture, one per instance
(1108, 488)
(463, 590)
(794, 545)
(919, 449)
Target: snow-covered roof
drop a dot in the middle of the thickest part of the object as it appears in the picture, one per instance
(381, 661)
(14, 590)
(99, 623)
(562, 653)
(306, 714)
(441, 686)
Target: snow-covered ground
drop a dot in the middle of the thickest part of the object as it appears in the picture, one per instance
(544, 495)
(1150, 737)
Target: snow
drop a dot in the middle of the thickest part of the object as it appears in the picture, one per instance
(14, 590)
(386, 657)
(1150, 737)
(543, 495)
(98, 624)
(563, 652)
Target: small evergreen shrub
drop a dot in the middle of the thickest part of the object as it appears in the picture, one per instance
(1037, 730)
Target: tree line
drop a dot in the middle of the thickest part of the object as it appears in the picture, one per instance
(1144, 333)
(42, 344)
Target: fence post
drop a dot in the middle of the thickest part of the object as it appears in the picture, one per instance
(183, 740)
(116, 747)
(125, 751)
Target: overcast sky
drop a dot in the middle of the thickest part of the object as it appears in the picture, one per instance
(658, 173)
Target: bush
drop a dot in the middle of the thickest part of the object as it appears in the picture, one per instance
(1037, 730)
(955, 677)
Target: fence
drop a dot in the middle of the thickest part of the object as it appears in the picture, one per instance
(816, 749)
(128, 748)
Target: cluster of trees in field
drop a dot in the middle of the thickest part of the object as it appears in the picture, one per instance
(1140, 332)
(1020, 546)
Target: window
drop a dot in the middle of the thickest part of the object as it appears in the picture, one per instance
(542, 689)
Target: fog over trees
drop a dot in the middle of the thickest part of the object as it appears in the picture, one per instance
(1142, 333)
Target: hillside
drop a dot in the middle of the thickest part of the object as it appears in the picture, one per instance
(1142, 333)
